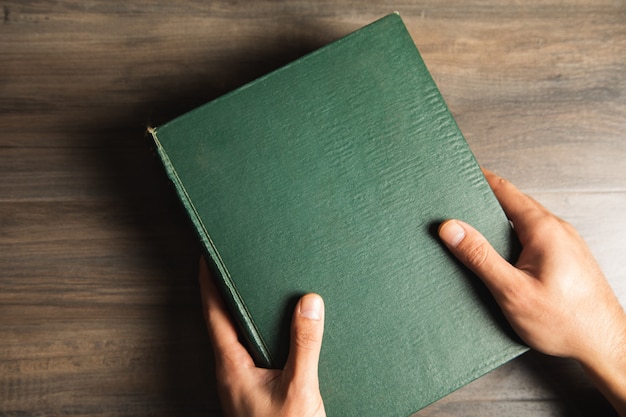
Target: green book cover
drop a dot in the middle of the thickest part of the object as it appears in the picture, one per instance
(331, 175)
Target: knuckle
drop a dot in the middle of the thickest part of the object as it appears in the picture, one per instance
(547, 221)
(513, 298)
(307, 338)
(548, 224)
(498, 182)
(520, 296)
(568, 227)
(502, 182)
(476, 254)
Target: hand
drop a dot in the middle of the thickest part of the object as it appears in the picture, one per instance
(248, 391)
(555, 297)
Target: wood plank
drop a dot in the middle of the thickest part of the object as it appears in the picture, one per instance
(149, 69)
(59, 241)
(99, 309)
(95, 319)
(125, 171)
(109, 309)
(532, 385)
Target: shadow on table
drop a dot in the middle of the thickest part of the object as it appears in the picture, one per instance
(187, 384)
(573, 393)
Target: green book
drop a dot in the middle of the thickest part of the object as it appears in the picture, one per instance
(331, 175)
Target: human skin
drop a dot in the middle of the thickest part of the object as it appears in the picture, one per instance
(555, 297)
(248, 391)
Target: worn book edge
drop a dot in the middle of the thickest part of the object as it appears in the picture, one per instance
(260, 352)
(255, 342)
(248, 330)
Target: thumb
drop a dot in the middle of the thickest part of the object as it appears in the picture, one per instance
(470, 247)
(307, 329)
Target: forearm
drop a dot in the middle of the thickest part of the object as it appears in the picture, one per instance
(555, 296)
(608, 372)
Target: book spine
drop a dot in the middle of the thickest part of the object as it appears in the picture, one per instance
(233, 300)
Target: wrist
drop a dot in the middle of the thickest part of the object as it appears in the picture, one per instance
(606, 366)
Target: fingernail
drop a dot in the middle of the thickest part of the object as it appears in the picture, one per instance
(311, 307)
(452, 233)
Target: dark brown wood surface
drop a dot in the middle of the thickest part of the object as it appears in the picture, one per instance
(99, 306)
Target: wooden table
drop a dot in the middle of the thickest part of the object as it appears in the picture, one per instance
(99, 306)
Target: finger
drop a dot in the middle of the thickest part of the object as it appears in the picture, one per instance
(222, 331)
(475, 252)
(307, 330)
(520, 208)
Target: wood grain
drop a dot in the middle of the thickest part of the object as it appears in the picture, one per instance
(99, 307)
